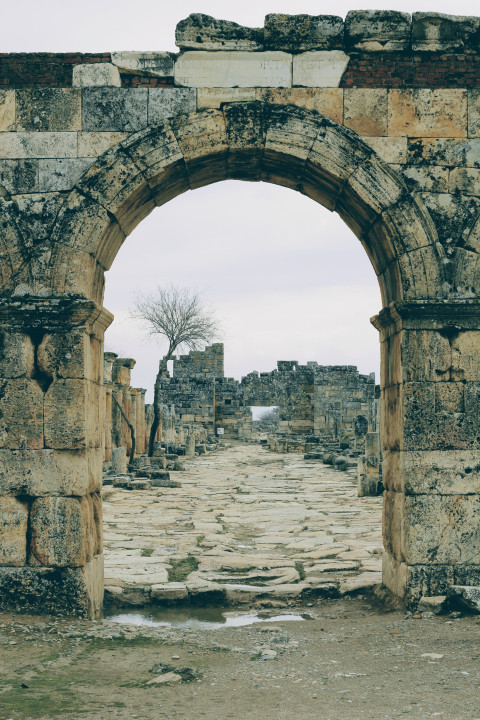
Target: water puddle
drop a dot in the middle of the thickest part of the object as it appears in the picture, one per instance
(199, 618)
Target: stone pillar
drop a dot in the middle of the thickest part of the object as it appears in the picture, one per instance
(190, 445)
(138, 403)
(51, 453)
(122, 369)
(430, 435)
(369, 466)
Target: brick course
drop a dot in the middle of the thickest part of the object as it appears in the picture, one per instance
(365, 70)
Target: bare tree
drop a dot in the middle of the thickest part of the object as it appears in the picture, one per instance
(177, 315)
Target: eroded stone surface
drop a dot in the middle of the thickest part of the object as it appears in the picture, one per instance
(203, 32)
(296, 33)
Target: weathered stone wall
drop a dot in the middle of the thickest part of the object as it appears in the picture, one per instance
(344, 402)
(376, 118)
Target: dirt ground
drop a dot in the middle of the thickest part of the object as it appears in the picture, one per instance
(296, 527)
(352, 660)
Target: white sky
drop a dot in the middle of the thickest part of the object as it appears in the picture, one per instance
(287, 278)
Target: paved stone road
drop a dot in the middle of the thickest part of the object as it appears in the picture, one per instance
(257, 525)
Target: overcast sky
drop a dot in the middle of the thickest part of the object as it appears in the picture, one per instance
(287, 278)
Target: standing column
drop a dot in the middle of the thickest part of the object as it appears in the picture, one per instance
(430, 432)
(51, 453)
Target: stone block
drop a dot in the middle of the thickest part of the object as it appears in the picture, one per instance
(437, 32)
(444, 472)
(42, 473)
(59, 175)
(464, 366)
(465, 180)
(72, 415)
(168, 592)
(237, 69)
(19, 176)
(52, 590)
(377, 30)
(7, 110)
(17, 355)
(215, 97)
(454, 217)
(427, 356)
(203, 32)
(289, 134)
(93, 144)
(474, 113)
(375, 189)
(119, 460)
(426, 178)
(48, 109)
(322, 68)
(96, 75)
(158, 154)
(391, 360)
(58, 527)
(441, 529)
(114, 109)
(365, 111)
(72, 354)
(427, 113)
(21, 414)
(392, 150)
(210, 126)
(38, 144)
(413, 582)
(391, 417)
(466, 596)
(13, 531)
(326, 101)
(450, 152)
(420, 429)
(163, 103)
(157, 64)
(295, 33)
(116, 182)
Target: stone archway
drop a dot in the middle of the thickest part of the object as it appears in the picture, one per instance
(53, 324)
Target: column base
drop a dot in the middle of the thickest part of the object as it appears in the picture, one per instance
(53, 591)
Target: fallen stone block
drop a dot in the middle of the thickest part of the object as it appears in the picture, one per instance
(165, 482)
(465, 595)
(204, 32)
(377, 30)
(303, 32)
(435, 32)
(435, 604)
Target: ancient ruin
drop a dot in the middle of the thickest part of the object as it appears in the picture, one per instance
(378, 119)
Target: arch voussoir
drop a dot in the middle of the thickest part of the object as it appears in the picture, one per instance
(203, 142)
(157, 152)
(117, 183)
(246, 125)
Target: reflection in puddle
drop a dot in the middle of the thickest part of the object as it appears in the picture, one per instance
(199, 618)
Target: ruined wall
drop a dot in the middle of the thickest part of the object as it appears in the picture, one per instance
(344, 401)
(378, 119)
(312, 399)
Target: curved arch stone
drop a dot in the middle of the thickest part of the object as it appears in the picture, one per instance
(281, 144)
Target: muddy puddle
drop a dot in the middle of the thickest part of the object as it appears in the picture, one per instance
(199, 618)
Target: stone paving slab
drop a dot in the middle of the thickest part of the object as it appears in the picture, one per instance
(251, 523)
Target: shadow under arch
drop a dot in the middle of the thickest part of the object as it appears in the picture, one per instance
(252, 141)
